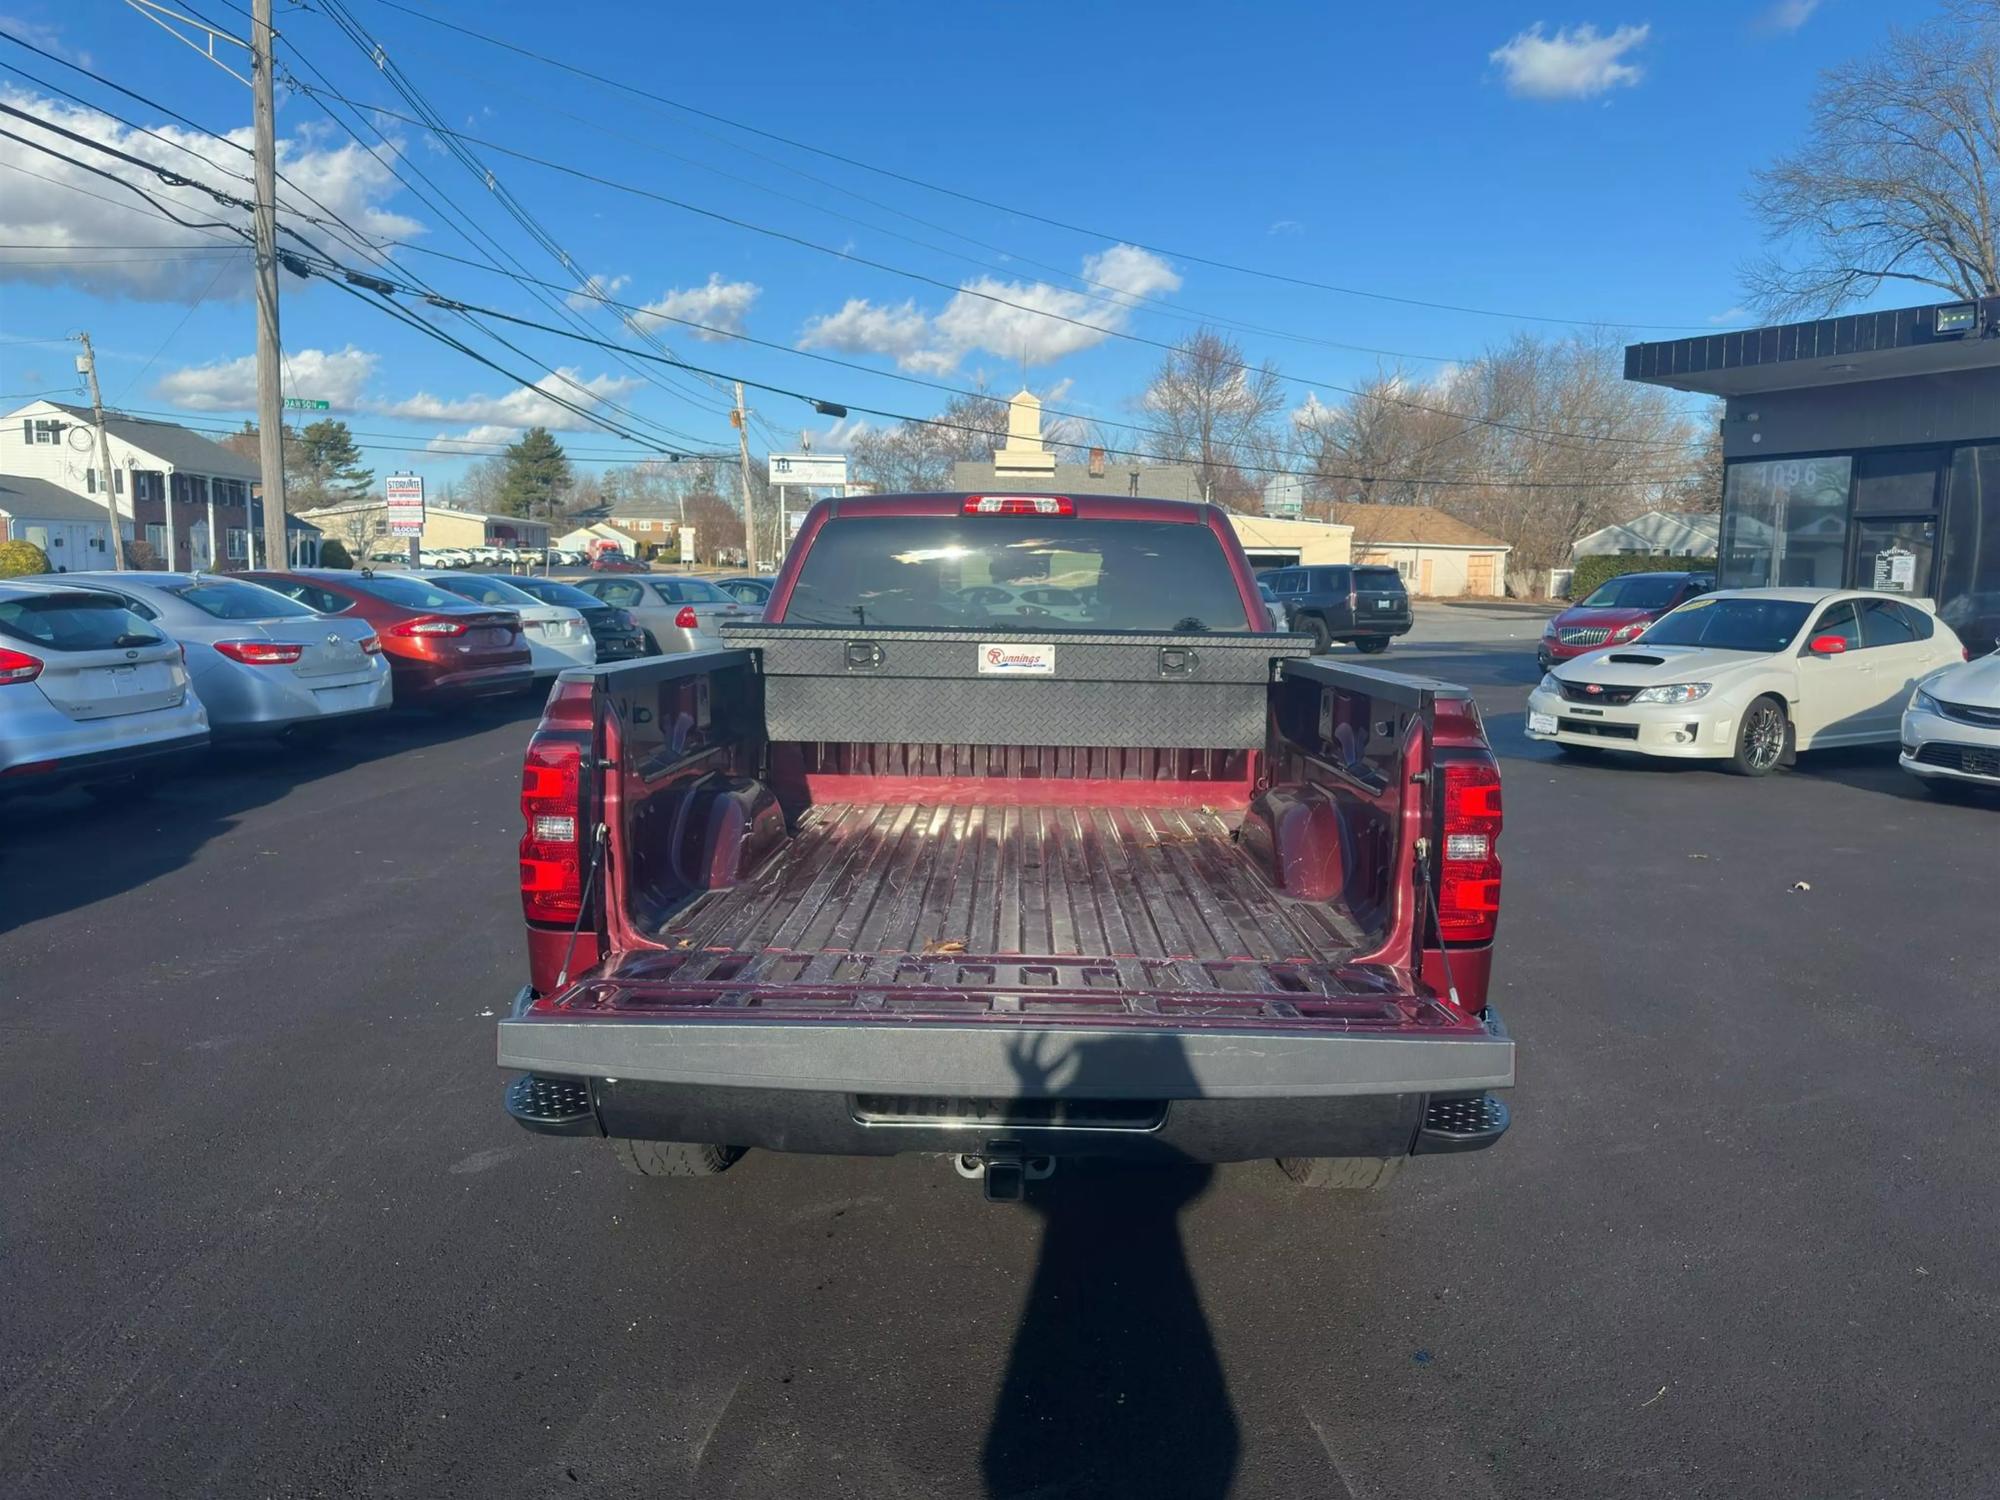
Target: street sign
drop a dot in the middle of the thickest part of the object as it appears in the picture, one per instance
(405, 494)
(299, 403)
(812, 470)
(687, 545)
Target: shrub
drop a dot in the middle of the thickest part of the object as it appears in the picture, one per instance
(19, 559)
(1593, 571)
(333, 555)
(142, 556)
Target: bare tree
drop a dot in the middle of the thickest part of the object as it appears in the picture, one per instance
(1899, 177)
(914, 457)
(1396, 441)
(1209, 407)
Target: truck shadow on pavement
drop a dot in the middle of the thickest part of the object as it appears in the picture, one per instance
(1113, 1385)
(67, 849)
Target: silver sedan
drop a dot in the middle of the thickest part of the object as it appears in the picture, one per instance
(262, 663)
(677, 612)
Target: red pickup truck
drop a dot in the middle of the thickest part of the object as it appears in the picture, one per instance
(1012, 832)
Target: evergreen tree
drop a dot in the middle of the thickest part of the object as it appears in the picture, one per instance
(537, 476)
(330, 464)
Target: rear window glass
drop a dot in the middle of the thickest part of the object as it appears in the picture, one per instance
(241, 601)
(550, 592)
(1378, 579)
(74, 622)
(400, 588)
(1020, 572)
(487, 591)
(691, 591)
(1731, 624)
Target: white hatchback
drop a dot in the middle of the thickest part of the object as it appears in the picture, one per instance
(1749, 676)
(89, 692)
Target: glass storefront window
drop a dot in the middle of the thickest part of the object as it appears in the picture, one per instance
(1969, 587)
(1785, 523)
(1902, 483)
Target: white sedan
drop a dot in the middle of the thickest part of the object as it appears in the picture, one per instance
(1749, 676)
(1951, 730)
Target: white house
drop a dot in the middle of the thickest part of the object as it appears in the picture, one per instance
(188, 497)
(72, 529)
(598, 531)
(1658, 533)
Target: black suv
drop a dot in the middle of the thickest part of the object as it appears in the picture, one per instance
(1362, 604)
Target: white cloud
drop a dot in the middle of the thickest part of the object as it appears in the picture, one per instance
(718, 305)
(487, 433)
(1033, 322)
(1572, 64)
(1787, 15)
(48, 203)
(590, 296)
(840, 435)
(1731, 315)
(1286, 226)
(505, 417)
(231, 384)
(46, 37)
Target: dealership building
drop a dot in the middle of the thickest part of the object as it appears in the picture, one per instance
(1860, 452)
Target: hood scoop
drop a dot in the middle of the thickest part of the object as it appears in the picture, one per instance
(1631, 659)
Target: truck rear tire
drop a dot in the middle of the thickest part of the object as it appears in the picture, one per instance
(1372, 645)
(672, 1158)
(1322, 637)
(1354, 1173)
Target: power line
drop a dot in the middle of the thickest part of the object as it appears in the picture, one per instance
(987, 203)
(1117, 333)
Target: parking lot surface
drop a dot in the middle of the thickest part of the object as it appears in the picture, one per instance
(266, 1230)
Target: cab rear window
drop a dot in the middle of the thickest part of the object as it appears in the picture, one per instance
(74, 622)
(1016, 572)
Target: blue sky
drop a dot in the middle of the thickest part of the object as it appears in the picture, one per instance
(1576, 164)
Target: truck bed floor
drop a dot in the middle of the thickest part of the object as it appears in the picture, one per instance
(1064, 883)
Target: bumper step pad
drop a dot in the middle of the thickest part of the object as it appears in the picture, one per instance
(552, 1106)
(1465, 1123)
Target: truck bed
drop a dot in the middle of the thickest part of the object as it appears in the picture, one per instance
(1102, 910)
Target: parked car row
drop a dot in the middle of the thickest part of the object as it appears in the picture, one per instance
(1752, 677)
(476, 557)
(103, 672)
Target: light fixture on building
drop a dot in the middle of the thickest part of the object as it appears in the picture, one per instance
(1955, 319)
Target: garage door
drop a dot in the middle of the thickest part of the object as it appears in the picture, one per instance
(1479, 573)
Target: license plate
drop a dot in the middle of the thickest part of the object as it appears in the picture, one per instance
(1541, 723)
(1385, 603)
(124, 679)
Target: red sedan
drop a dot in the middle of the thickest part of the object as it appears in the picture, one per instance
(440, 646)
(1617, 611)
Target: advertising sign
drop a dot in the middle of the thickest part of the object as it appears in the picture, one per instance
(813, 470)
(405, 494)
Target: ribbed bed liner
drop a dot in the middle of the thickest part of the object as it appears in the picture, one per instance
(1116, 897)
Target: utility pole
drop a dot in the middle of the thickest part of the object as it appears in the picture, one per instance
(270, 393)
(740, 419)
(89, 367)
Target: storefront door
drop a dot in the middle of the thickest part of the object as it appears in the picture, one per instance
(1897, 554)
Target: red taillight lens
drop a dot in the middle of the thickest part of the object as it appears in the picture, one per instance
(370, 644)
(1469, 876)
(551, 852)
(18, 666)
(429, 625)
(685, 620)
(261, 653)
(1019, 505)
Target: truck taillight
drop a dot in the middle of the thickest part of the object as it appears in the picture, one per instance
(551, 854)
(1469, 877)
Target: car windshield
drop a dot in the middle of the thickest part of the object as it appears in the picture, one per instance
(74, 622)
(416, 593)
(551, 592)
(493, 591)
(962, 572)
(1731, 624)
(230, 600)
(1641, 591)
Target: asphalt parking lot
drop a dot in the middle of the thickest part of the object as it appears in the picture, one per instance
(266, 1232)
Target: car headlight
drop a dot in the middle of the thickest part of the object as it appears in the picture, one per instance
(1923, 703)
(1673, 692)
(1549, 631)
(1627, 632)
(1550, 683)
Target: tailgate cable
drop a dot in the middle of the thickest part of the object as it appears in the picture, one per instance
(1437, 921)
(597, 838)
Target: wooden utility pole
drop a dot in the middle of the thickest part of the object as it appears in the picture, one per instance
(270, 390)
(104, 477)
(740, 419)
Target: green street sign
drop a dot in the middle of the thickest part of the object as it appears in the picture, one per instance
(299, 403)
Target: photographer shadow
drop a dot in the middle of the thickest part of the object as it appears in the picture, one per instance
(1114, 1385)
